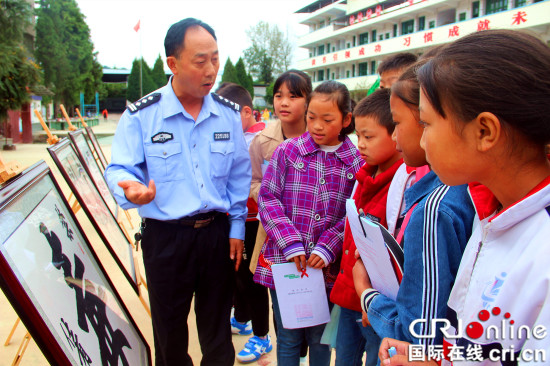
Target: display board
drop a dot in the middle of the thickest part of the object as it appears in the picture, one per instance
(92, 168)
(97, 147)
(55, 281)
(68, 163)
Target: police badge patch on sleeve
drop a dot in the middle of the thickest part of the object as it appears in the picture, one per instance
(162, 137)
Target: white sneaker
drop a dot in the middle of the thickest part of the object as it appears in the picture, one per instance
(254, 349)
(241, 328)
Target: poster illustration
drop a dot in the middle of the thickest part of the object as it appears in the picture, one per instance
(83, 150)
(97, 211)
(45, 253)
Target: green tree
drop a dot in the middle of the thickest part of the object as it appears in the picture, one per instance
(229, 72)
(266, 68)
(134, 81)
(65, 52)
(133, 92)
(158, 75)
(115, 90)
(243, 78)
(149, 85)
(268, 44)
(17, 69)
(92, 82)
(269, 93)
(251, 82)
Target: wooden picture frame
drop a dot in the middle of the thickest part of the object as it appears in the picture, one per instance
(95, 143)
(56, 283)
(92, 168)
(80, 183)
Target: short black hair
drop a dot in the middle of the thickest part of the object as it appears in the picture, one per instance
(235, 93)
(297, 82)
(397, 62)
(173, 42)
(338, 93)
(376, 105)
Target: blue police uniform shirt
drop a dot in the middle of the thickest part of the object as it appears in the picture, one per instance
(198, 166)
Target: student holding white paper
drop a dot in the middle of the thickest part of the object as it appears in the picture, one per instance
(374, 127)
(302, 208)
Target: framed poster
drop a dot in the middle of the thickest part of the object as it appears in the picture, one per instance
(68, 163)
(97, 147)
(91, 166)
(55, 281)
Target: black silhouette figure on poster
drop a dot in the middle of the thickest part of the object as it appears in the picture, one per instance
(90, 305)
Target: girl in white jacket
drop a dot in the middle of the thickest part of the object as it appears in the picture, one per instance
(485, 107)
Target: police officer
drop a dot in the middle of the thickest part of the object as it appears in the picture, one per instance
(180, 157)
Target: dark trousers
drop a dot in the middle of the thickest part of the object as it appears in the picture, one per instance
(181, 261)
(251, 299)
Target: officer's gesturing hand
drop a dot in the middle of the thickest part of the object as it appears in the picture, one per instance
(137, 193)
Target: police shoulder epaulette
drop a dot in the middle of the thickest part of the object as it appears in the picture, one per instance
(227, 102)
(144, 102)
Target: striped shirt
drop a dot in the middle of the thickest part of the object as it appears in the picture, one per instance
(302, 204)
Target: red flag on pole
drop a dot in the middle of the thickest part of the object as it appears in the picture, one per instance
(136, 27)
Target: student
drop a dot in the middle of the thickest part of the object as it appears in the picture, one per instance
(437, 225)
(290, 92)
(393, 66)
(488, 96)
(374, 128)
(250, 300)
(390, 70)
(238, 94)
(302, 207)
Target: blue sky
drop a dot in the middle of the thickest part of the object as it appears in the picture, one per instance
(112, 21)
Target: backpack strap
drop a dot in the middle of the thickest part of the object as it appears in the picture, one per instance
(404, 225)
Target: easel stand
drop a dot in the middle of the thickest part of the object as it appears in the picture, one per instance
(22, 348)
(71, 126)
(84, 124)
(8, 170)
(52, 139)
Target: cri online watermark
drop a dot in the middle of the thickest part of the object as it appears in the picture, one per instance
(505, 330)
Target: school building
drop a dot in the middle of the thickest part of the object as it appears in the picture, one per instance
(348, 39)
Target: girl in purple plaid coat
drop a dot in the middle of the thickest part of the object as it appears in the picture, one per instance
(302, 207)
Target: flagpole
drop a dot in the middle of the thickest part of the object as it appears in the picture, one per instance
(140, 68)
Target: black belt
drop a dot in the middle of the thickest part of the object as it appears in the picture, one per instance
(197, 221)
